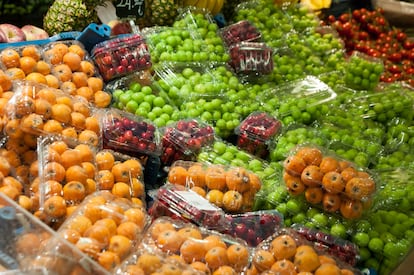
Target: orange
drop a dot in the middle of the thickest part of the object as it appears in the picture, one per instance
(87, 67)
(351, 209)
(52, 187)
(212, 240)
(215, 177)
(312, 176)
(78, 120)
(27, 64)
(200, 266)
(225, 270)
(82, 107)
(53, 57)
(169, 241)
(216, 257)
(65, 99)
(129, 229)
(5, 82)
(324, 259)
(294, 185)
(314, 195)
(10, 58)
(31, 51)
(232, 201)
(135, 167)
(99, 233)
(36, 77)
(62, 72)
(77, 49)
(5, 166)
(122, 190)
(43, 107)
(61, 112)
(53, 126)
(283, 247)
(95, 83)
(192, 250)
(170, 269)
(346, 271)
(311, 155)
(177, 175)
(10, 191)
(149, 262)
(30, 140)
(71, 157)
(331, 202)
(109, 260)
(12, 181)
(89, 137)
(42, 67)
(133, 270)
(52, 81)
(13, 130)
(114, 212)
(215, 196)
(307, 261)
(190, 232)
(121, 245)
(108, 223)
(72, 59)
(32, 122)
(333, 182)
(25, 202)
(284, 267)
(328, 269)
(54, 171)
(263, 260)
(349, 173)
(80, 79)
(68, 87)
(70, 235)
(85, 92)
(237, 178)
(238, 256)
(160, 226)
(359, 188)
(329, 164)
(255, 182)
(92, 124)
(294, 165)
(120, 172)
(28, 243)
(199, 190)
(102, 99)
(86, 153)
(104, 160)
(47, 94)
(90, 247)
(196, 175)
(69, 132)
(74, 191)
(23, 105)
(105, 180)
(55, 207)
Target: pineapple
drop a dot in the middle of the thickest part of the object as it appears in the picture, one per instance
(70, 15)
(161, 12)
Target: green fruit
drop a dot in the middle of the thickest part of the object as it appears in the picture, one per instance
(361, 239)
(376, 245)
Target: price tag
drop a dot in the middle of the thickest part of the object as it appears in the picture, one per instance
(130, 8)
(196, 200)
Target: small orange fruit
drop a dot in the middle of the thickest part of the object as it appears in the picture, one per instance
(329, 164)
(295, 186)
(311, 155)
(55, 207)
(102, 99)
(333, 183)
(89, 137)
(328, 269)
(31, 51)
(314, 195)
(238, 256)
(351, 209)
(42, 67)
(27, 64)
(74, 191)
(284, 267)
(80, 79)
(62, 72)
(331, 202)
(178, 175)
(212, 240)
(129, 229)
(10, 58)
(215, 196)
(169, 241)
(359, 188)
(311, 176)
(148, 262)
(232, 201)
(36, 77)
(109, 260)
(72, 59)
(263, 260)
(294, 165)
(121, 245)
(283, 247)
(216, 257)
(215, 177)
(225, 270)
(87, 67)
(192, 250)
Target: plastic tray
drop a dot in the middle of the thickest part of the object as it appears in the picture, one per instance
(240, 31)
(251, 58)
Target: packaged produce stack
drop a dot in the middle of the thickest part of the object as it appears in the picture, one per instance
(275, 144)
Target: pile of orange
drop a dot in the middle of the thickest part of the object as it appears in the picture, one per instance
(149, 262)
(38, 109)
(324, 179)
(120, 174)
(205, 250)
(106, 228)
(288, 254)
(64, 65)
(231, 188)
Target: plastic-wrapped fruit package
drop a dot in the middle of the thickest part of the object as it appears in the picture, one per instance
(41, 110)
(327, 181)
(362, 71)
(120, 174)
(183, 140)
(31, 247)
(257, 132)
(253, 227)
(288, 252)
(147, 261)
(187, 204)
(129, 134)
(299, 101)
(64, 65)
(203, 249)
(251, 58)
(228, 187)
(344, 250)
(106, 228)
(240, 31)
(67, 173)
(122, 55)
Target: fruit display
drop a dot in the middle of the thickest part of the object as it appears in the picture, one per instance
(289, 252)
(11, 33)
(186, 119)
(34, 248)
(106, 228)
(231, 188)
(120, 56)
(203, 249)
(324, 179)
(256, 132)
(184, 139)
